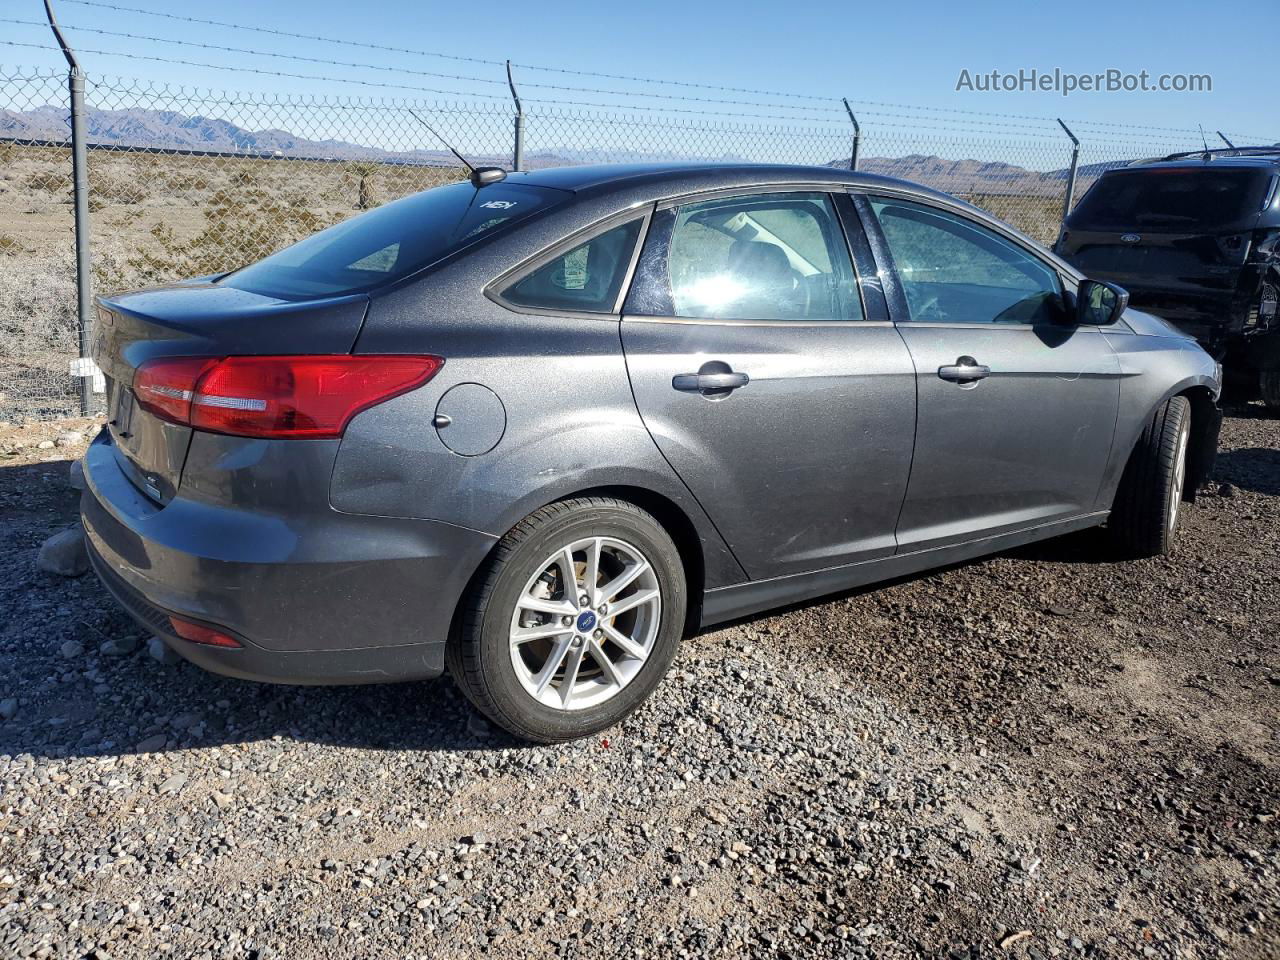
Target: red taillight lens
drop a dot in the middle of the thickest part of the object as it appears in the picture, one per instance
(166, 386)
(281, 397)
(197, 633)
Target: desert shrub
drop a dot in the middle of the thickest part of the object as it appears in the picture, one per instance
(50, 180)
(116, 190)
(239, 227)
(10, 246)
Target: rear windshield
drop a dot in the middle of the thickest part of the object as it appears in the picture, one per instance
(393, 241)
(1171, 199)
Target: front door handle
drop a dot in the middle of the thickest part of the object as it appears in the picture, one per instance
(714, 382)
(964, 370)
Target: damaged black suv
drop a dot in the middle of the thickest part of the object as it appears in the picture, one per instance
(1195, 239)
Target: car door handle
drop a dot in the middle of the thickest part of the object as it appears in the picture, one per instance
(710, 383)
(964, 370)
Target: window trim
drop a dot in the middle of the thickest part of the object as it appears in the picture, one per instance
(496, 287)
(832, 191)
(888, 267)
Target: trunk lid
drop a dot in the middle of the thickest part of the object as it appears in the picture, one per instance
(199, 318)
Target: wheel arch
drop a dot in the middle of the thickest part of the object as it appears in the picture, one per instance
(669, 515)
(1202, 450)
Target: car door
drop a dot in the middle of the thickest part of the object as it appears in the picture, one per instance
(774, 385)
(1017, 405)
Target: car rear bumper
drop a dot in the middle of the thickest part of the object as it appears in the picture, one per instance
(316, 597)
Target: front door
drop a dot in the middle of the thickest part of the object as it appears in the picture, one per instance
(1017, 406)
(784, 403)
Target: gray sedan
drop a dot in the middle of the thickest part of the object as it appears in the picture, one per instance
(537, 428)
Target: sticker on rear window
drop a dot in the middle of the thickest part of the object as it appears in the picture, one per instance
(499, 204)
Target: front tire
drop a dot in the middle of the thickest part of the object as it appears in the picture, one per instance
(573, 621)
(1148, 504)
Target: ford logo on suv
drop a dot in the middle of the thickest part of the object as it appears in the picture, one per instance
(1130, 237)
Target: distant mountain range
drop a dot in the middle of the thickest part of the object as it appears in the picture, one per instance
(168, 130)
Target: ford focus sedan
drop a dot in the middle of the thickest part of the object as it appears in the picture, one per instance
(536, 429)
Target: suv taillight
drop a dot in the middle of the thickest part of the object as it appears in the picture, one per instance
(301, 397)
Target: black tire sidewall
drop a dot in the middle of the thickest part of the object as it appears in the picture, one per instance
(516, 709)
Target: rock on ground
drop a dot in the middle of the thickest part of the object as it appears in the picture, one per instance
(64, 553)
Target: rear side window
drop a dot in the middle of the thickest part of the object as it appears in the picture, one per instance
(393, 241)
(1170, 199)
(779, 256)
(587, 278)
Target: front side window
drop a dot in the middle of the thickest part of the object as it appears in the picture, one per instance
(775, 256)
(586, 278)
(954, 270)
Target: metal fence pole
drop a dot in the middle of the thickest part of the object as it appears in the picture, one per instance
(517, 154)
(857, 135)
(1071, 177)
(80, 196)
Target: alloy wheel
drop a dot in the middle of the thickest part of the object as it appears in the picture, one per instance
(585, 623)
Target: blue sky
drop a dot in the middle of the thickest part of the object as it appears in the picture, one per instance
(899, 53)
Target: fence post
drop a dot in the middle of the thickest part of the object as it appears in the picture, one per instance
(1071, 177)
(80, 197)
(857, 135)
(517, 154)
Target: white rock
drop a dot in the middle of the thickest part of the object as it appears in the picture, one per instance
(70, 439)
(64, 553)
(45, 445)
(71, 649)
(76, 475)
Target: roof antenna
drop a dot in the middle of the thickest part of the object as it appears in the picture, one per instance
(1225, 140)
(479, 175)
(1205, 142)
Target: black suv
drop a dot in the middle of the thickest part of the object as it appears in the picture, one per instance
(1195, 239)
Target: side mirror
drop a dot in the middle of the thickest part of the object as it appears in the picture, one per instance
(1099, 304)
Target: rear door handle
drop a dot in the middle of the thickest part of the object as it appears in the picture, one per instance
(710, 384)
(964, 370)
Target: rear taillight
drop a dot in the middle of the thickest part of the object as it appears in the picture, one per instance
(199, 633)
(304, 397)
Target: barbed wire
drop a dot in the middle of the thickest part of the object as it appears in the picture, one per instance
(631, 78)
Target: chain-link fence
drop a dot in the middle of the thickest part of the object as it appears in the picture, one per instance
(185, 182)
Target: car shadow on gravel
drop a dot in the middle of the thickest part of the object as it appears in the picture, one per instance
(1250, 468)
(140, 706)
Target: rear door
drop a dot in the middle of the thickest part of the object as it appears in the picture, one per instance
(770, 379)
(1017, 407)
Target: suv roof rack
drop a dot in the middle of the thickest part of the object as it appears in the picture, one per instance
(1260, 151)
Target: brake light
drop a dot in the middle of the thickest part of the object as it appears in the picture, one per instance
(306, 397)
(198, 633)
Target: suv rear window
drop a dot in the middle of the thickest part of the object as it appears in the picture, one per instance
(393, 241)
(1174, 199)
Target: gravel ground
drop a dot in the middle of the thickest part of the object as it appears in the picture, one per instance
(1048, 753)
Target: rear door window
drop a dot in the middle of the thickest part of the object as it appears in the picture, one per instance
(587, 278)
(393, 241)
(1171, 199)
(778, 256)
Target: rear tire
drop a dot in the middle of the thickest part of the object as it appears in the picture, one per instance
(1144, 517)
(524, 626)
(1269, 381)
